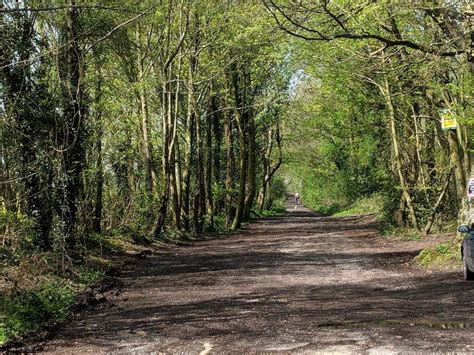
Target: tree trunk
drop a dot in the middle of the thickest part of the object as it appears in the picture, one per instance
(209, 175)
(229, 173)
(17, 100)
(436, 206)
(265, 169)
(165, 129)
(216, 153)
(239, 214)
(99, 170)
(74, 133)
(201, 193)
(269, 170)
(456, 160)
(251, 170)
(396, 153)
(172, 118)
(188, 144)
(150, 176)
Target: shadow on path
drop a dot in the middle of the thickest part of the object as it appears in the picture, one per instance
(304, 278)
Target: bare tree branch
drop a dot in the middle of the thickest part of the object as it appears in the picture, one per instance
(117, 28)
(317, 35)
(64, 7)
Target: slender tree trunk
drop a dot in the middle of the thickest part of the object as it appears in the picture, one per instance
(240, 112)
(188, 144)
(163, 211)
(270, 170)
(230, 163)
(243, 154)
(150, 176)
(456, 160)
(99, 170)
(177, 160)
(458, 154)
(201, 193)
(396, 157)
(74, 133)
(208, 173)
(172, 161)
(216, 153)
(169, 122)
(200, 197)
(17, 93)
(465, 147)
(437, 205)
(265, 169)
(251, 170)
(99, 186)
(418, 145)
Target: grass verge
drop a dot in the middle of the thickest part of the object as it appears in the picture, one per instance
(444, 255)
(39, 289)
(366, 205)
(274, 212)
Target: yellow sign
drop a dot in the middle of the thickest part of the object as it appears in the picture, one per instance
(448, 120)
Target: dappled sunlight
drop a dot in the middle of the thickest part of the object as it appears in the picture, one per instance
(274, 279)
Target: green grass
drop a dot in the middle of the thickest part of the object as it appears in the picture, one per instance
(400, 232)
(446, 254)
(366, 205)
(274, 212)
(40, 292)
(27, 311)
(3, 336)
(41, 302)
(442, 255)
(331, 210)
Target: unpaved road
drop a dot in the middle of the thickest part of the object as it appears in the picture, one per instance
(299, 283)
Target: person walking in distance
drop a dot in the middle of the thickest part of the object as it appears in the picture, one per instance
(297, 198)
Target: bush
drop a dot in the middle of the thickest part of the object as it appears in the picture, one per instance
(26, 311)
(441, 255)
(277, 192)
(18, 231)
(366, 205)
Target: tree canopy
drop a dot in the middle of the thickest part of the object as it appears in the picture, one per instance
(165, 120)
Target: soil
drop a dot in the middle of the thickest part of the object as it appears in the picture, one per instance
(297, 283)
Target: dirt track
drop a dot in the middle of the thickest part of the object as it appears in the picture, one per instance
(298, 283)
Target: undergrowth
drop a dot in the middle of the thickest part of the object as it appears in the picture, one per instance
(365, 205)
(38, 289)
(442, 255)
(30, 310)
(445, 254)
(403, 233)
(274, 212)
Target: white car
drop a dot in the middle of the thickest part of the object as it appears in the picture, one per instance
(467, 252)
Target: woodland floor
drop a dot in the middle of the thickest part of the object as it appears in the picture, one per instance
(296, 283)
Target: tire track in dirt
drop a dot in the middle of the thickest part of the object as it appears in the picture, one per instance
(296, 283)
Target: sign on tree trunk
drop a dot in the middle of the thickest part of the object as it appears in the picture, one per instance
(448, 120)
